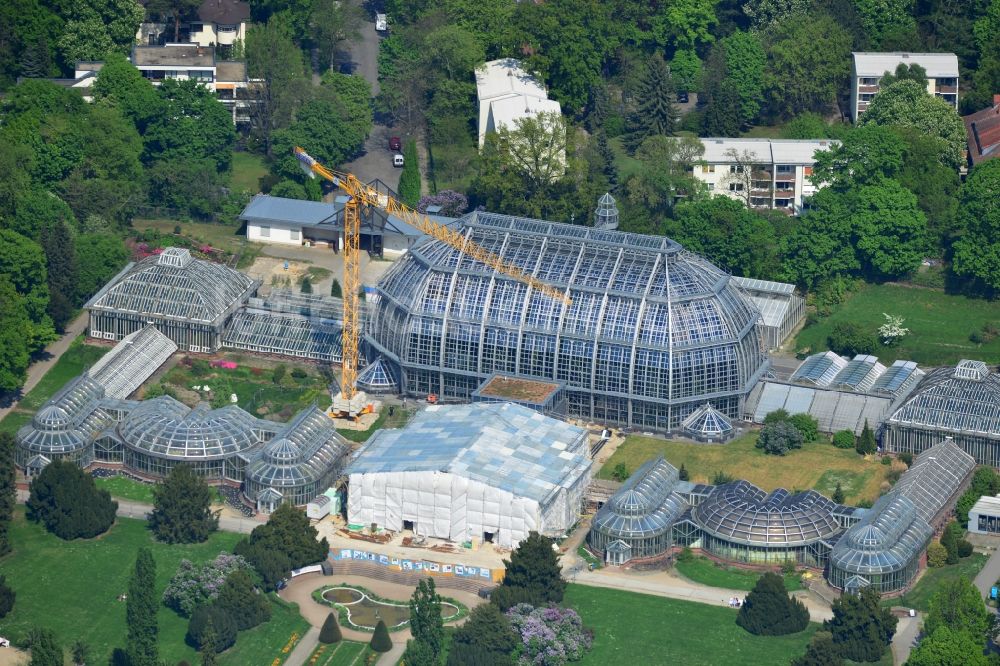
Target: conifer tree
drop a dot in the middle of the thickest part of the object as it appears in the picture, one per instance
(8, 489)
(533, 575)
(426, 625)
(769, 611)
(7, 597)
(182, 508)
(485, 638)
(683, 474)
(380, 639)
(838, 494)
(610, 169)
(866, 443)
(140, 612)
(330, 633)
(655, 113)
(45, 651)
(820, 652)
(65, 499)
(860, 627)
(209, 640)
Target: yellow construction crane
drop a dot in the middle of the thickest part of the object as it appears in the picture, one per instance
(360, 194)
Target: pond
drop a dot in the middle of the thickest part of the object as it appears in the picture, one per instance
(364, 612)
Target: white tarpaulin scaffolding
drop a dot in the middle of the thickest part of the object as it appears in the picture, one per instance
(483, 471)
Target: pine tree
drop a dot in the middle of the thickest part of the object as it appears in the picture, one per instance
(486, 639)
(769, 611)
(330, 633)
(532, 575)
(36, 60)
(60, 259)
(655, 112)
(682, 473)
(8, 490)
(380, 639)
(838, 494)
(182, 508)
(950, 542)
(80, 653)
(65, 499)
(610, 169)
(426, 624)
(238, 598)
(335, 290)
(140, 612)
(820, 652)
(45, 651)
(600, 107)
(307, 287)
(866, 443)
(209, 641)
(860, 627)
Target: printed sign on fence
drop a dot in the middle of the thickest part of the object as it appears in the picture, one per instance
(401, 564)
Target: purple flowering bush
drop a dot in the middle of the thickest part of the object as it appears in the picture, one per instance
(196, 584)
(550, 636)
(452, 203)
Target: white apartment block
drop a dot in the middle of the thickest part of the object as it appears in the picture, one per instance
(867, 70)
(220, 23)
(506, 92)
(761, 173)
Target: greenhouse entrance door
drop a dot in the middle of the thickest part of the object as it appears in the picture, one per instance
(618, 553)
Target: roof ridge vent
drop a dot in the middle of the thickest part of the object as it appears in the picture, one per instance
(975, 370)
(175, 257)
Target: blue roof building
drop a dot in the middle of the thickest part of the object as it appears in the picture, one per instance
(490, 471)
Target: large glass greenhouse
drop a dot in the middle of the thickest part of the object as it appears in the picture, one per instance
(652, 333)
(742, 523)
(883, 550)
(189, 300)
(962, 403)
(637, 522)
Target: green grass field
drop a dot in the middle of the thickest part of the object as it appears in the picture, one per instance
(933, 578)
(705, 571)
(632, 628)
(247, 170)
(812, 466)
(263, 644)
(344, 653)
(72, 587)
(127, 489)
(223, 236)
(628, 166)
(939, 323)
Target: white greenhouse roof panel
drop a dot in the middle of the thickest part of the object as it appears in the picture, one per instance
(503, 445)
(132, 361)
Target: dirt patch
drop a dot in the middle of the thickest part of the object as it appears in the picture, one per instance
(272, 272)
(519, 389)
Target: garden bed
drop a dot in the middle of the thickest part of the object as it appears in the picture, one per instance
(361, 609)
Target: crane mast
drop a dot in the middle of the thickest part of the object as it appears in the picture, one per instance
(360, 194)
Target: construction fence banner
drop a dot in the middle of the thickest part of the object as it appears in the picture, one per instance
(418, 566)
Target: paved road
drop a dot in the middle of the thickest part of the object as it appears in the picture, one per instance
(989, 574)
(905, 639)
(304, 648)
(38, 369)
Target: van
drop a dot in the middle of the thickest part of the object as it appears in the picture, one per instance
(381, 22)
(397, 160)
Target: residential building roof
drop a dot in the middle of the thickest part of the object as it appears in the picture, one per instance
(988, 505)
(503, 445)
(767, 151)
(506, 77)
(187, 55)
(234, 71)
(295, 212)
(937, 65)
(507, 111)
(226, 12)
(982, 130)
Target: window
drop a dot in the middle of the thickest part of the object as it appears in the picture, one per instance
(866, 97)
(946, 82)
(784, 185)
(227, 28)
(868, 81)
(782, 203)
(294, 234)
(786, 168)
(711, 186)
(735, 187)
(735, 168)
(199, 75)
(265, 232)
(708, 168)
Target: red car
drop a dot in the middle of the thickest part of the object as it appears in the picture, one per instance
(395, 143)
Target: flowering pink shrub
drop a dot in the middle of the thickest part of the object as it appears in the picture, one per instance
(550, 636)
(452, 203)
(196, 584)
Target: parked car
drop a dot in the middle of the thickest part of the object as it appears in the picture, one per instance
(397, 160)
(381, 22)
(395, 144)
(682, 97)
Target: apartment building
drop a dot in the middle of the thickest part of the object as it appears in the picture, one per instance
(506, 92)
(761, 173)
(220, 23)
(867, 70)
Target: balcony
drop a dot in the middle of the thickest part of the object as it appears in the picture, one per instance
(868, 89)
(946, 90)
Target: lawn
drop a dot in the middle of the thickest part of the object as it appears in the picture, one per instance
(933, 578)
(628, 166)
(72, 587)
(127, 489)
(247, 170)
(222, 236)
(263, 644)
(632, 628)
(812, 466)
(939, 323)
(705, 571)
(344, 653)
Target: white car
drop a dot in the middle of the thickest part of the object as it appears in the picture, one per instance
(381, 22)
(397, 160)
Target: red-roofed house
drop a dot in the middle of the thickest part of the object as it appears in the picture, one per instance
(983, 131)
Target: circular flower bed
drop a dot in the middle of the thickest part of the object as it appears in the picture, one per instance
(361, 609)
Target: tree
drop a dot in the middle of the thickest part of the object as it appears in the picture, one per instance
(532, 575)
(779, 438)
(99, 257)
(609, 165)
(7, 597)
(866, 443)
(80, 653)
(426, 625)
(287, 541)
(140, 612)
(904, 72)
(945, 645)
(655, 113)
(8, 491)
(96, 28)
(120, 84)
(194, 585)
(22, 262)
(768, 610)
(330, 24)
(887, 22)
(907, 104)
(820, 652)
(620, 472)
(324, 126)
(306, 285)
(380, 641)
(807, 426)
(867, 155)
(860, 627)
(330, 632)
(535, 148)
(667, 173)
(335, 289)
(450, 203)
(178, 10)
(683, 474)
(959, 607)
(976, 255)
(850, 339)
(275, 65)
(16, 334)
(194, 125)
(807, 66)
(65, 499)
(891, 230)
(354, 94)
(949, 540)
(486, 639)
(60, 264)
(838, 494)
(409, 180)
(45, 651)
(844, 439)
(209, 643)
(242, 602)
(745, 61)
(182, 508)
(222, 625)
(937, 555)
(685, 69)
(689, 22)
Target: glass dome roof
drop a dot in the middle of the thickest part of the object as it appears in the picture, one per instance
(166, 428)
(889, 536)
(706, 421)
(961, 399)
(280, 451)
(743, 513)
(645, 505)
(378, 376)
(67, 421)
(306, 450)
